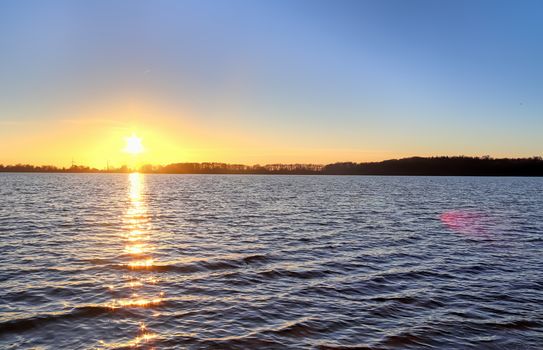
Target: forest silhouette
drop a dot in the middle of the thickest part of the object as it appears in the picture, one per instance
(429, 166)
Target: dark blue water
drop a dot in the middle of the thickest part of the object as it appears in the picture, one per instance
(270, 262)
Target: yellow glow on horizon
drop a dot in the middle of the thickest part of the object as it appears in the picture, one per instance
(100, 135)
(97, 135)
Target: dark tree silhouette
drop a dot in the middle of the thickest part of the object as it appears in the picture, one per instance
(443, 166)
(432, 166)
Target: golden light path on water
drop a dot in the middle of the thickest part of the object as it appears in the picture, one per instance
(139, 261)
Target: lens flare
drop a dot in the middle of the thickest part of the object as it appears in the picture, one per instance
(466, 222)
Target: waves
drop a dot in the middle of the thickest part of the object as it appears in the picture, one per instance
(272, 263)
(198, 266)
(340, 295)
(41, 320)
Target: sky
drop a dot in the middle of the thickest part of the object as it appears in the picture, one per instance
(259, 82)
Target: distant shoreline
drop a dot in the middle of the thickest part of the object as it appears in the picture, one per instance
(413, 166)
(254, 174)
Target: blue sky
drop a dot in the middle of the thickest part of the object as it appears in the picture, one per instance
(314, 80)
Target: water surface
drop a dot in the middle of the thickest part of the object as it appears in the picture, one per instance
(101, 261)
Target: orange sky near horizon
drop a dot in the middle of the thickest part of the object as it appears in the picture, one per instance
(95, 137)
(97, 143)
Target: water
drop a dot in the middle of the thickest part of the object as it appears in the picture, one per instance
(92, 261)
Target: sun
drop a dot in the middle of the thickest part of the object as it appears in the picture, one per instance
(133, 145)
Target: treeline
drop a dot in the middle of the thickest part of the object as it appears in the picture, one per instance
(442, 166)
(223, 168)
(28, 168)
(176, 168)
(432, 166)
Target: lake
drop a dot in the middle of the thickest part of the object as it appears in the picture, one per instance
(113, 261)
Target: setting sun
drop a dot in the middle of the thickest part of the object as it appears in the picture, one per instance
(133, 145)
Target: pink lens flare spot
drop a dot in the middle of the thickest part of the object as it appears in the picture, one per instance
(466, 222)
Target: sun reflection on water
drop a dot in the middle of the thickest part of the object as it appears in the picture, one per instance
(137, 248)
(144, 263)
(135, 301)
(143, 337)
(136, 183)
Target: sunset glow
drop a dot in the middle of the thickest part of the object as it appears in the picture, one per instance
(258, 105)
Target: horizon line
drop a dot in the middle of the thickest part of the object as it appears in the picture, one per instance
(436, 165)
(484, 157)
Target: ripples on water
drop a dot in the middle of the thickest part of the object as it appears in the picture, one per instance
(270, 262)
